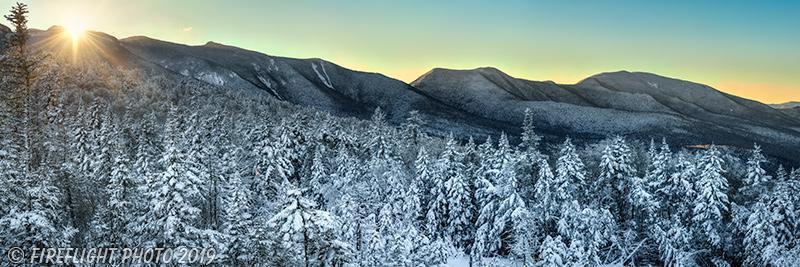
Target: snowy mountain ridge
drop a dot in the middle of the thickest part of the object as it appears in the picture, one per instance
(475, 102)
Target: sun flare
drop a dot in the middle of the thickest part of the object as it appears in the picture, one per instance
(75, 30)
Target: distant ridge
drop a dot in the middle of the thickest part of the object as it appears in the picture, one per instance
(476, 102)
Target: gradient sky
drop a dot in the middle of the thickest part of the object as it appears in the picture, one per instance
(748, 48)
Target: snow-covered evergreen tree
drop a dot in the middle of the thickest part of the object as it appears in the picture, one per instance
(678, 188)
(756, 175)
(760, 242)
(612, 187)
(711, 203)
(593, 229)
(551, 192)
(553, 252)
(112, 223)
(305, 234)
(780, 174)
(173, 218)
(239, 223)
(570, 168)
(530, 140)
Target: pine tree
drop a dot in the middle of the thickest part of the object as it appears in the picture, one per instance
(512, 211)
(304, 232)
(273, 166)
(459, 207)
(711, 203)
(760, 243)
(378, 141)
(111, 223)
(756, 175)
(318, 180)
(593, 229)
(678, 189)
(238, 217)
(416, 199)
(658, 171)
(172, 220)
(570, 168)
(551, 192)
(780, 174)
(436, 215)
(782, 202)
(411, 132)
(553, 252)
(530, 140)
(612, 188)
(452, 204)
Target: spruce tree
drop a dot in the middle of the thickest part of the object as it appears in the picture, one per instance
(304, 233)
(711, 203)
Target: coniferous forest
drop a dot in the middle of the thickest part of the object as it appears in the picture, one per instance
(100, 156)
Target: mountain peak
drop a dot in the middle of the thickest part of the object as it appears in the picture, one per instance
(213, 44)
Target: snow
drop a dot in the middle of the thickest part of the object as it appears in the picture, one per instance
(325, 79)
(211, 77)
(458, 262)
(463, 261)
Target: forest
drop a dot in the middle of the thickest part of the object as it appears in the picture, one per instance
(96, 155)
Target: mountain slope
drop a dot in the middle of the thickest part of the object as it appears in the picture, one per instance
(466, 102)
(639, 104)
(3, 32)
(308, 82)
(787, 105)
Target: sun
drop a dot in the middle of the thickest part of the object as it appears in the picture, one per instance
(76, 30)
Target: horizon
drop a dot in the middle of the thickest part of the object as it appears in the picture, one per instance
(745, 49)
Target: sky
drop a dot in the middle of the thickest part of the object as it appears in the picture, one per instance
(747, 48)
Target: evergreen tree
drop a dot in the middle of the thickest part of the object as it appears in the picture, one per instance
(711, 203)
(760, 242)
(570, 168)
(530, 140)
(416, 199)
(678, 188)
(755, 174)
(612, 188)
(238, 217)
(453, 203)
(305, 234)
(112, 222)
(318, 180)
(780, 174)
(172, 220)
(593, 229)
(553, 252)
(551, 192)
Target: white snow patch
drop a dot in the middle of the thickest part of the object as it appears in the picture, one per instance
(463, 261)
(266, 82)
(212, 78)
(325, 79)
(458, 262)
(272, 65)
(185, 72)
(652, 84)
